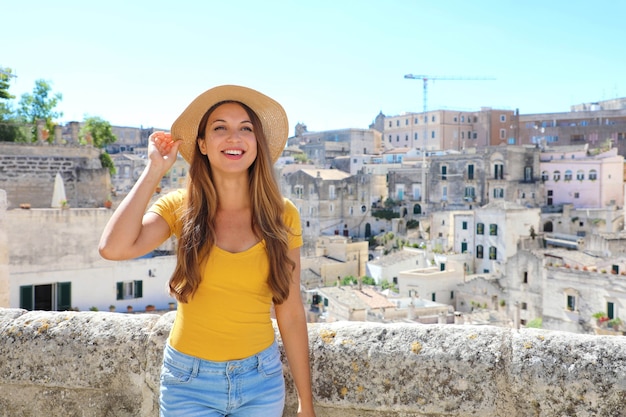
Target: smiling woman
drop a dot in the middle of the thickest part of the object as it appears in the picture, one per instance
(238, 256)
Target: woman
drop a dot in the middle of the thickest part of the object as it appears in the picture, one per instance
(238, 255)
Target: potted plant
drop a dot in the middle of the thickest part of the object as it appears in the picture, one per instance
(172, 306)
(129, 309)
(615, 323)
(108, 203)
(601, 318)
(111, 308)
(150, 307)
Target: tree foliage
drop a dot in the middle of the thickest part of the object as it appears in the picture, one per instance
(97, 132)
(10, 128)
(40, 105)
(5, 78)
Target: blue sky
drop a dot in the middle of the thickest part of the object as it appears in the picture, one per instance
(332, 63)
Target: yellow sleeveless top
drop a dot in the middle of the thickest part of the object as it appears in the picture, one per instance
(228, 317)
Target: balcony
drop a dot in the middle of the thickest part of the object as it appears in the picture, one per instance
(107, 364)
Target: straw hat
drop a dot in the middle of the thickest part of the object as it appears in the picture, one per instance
(270, 112)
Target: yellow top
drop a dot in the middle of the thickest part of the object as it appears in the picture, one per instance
(228, 317)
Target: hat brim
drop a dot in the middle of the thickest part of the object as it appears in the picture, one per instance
(272, 115)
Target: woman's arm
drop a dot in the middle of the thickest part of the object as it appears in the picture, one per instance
(131, 233)
(293, 330)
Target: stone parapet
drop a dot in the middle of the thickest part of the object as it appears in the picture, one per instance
(107, 364)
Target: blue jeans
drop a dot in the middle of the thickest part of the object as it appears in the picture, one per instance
(250, 387)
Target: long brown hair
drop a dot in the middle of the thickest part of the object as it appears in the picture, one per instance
(198, 231)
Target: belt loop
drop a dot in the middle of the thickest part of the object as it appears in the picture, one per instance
(196, 367)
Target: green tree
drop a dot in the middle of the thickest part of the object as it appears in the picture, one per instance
(97, 132)
(5, 77)
(40, 105)
(10, 128)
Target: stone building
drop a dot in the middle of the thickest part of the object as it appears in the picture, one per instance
(330, 201)
(450, 129)
(465, 180)
(571, 175)
(28, 171)
(323, 147)
(595, 124)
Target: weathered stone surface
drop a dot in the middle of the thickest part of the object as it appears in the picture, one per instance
(107, 364)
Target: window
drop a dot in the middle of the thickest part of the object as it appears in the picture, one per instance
(524, 305)
(129, 289)
(493, 252)
(610, 310)
(464, 225)
(470, 172)
(571, 303)
(470, 192)
(498, 193)
(444, 193)
(444, 172)
(331, 192)
(525, 277)
(493, 229)
(544, 176)
(502, 118)
(479, 251)
(480, 229)
(568, 175)
(463, 247)
(556, 175)
(580, 175)
(576, 195)
(593, 175)
(432, 134)
(48, 297)
(502, 133)
(298, 190)
(528, 174)
(498, 170)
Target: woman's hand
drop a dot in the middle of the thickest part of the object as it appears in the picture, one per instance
(162, 150)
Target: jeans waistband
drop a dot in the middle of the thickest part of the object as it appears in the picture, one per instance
(197, 365)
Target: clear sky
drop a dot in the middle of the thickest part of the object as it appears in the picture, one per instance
(332, 63)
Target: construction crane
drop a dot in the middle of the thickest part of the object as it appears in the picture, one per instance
(425, 79)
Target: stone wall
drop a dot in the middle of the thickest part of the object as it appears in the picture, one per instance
(4, 252)
(27, 173)
(107, 364)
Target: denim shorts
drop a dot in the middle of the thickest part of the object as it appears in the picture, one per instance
(249, 387)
